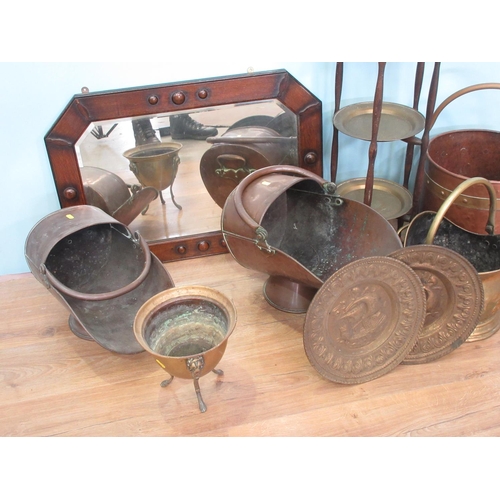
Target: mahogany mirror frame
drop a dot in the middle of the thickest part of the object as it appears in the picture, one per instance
(86, 108)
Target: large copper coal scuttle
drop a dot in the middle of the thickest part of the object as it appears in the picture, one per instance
(98, 270)
(288, 223)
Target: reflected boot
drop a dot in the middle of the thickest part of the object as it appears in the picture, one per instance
(144, 132)
(184, 127)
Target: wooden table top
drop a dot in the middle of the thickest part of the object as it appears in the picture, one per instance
(55, 384)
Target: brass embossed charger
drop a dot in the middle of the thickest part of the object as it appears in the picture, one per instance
(454, 294)
(364, 320)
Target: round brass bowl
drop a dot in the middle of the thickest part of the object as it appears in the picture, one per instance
(186, 329)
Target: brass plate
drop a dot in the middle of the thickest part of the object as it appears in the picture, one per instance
(454, 304)
(396, 121)
(389, 199)
(364, 320)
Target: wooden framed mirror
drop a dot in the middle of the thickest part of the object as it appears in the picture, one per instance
(260, 119)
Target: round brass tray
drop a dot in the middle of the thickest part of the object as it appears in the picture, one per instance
(396, 121)
(364, 320)
(454, 299)
(389, 199)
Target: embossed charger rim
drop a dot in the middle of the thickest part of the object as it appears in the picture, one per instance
(419, 297)
(466, 329)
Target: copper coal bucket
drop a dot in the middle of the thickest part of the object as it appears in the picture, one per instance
(239, 152)
(98, 270)
(288, 223)
(481, 250)
(109, 192)
(156, 165)
(452, 158)
(186, 329)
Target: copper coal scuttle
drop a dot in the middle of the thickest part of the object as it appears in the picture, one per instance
(288, 223)
(98, 270)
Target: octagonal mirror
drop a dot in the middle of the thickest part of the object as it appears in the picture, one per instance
(162, 159)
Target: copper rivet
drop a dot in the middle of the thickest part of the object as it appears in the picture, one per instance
(181, 249)
(70, 193)
(203, 246)
(178, 97)
(153, 99)
(223, 243)
(310, 158)
(203, 94)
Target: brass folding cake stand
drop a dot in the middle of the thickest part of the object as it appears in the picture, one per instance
(380, 121)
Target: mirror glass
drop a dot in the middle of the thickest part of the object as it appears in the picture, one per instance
(242, 138)
(162, 159)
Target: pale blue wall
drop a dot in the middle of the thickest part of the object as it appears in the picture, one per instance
(32, 95)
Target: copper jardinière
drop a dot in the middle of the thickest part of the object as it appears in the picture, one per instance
(186, 329)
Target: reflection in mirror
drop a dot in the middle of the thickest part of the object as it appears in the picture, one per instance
(193, 160)
(203, 137)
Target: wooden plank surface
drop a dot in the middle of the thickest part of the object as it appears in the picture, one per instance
(53, 383)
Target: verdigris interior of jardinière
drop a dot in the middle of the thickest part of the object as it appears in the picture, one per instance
(185, 327)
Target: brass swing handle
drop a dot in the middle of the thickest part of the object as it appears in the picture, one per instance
(490, 225)
(459, 93)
